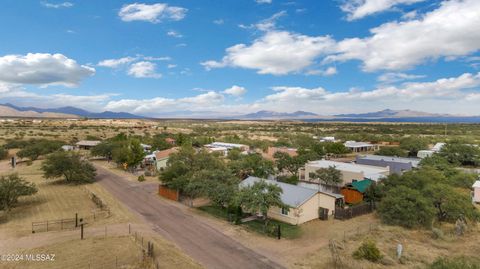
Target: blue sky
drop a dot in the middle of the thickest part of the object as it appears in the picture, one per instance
(232, 57)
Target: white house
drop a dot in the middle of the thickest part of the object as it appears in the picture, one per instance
(350, 171)
(360, 146)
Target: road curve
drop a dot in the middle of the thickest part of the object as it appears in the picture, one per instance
(202, 242)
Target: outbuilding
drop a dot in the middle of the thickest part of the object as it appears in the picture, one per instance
(476, 191)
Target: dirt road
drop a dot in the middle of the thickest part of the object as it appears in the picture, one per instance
(196, 238)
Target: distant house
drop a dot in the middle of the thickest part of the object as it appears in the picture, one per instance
(304, 203)
(272, 150)
(146, 147)
(87, 144)
(397, 165)
(350, 171)
(161, 158)
(327, 139)
(429, 152)
(68, 148)
(170, 141)
(354, 191)
(476, 191)
(360, 146)
(223, 148)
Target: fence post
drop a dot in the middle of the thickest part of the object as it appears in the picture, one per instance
(76, 220)
(81, 231)
(129, 228)
(47, 225)
(61, 224)
(105, 231)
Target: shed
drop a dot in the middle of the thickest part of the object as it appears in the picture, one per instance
(354, 191)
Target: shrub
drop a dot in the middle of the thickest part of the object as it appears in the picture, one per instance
(3, 153)
(455, 263)
(141, 178)
(437, 233)
(368, 251)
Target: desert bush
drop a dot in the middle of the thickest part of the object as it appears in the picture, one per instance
(368, 251)
(141, 178)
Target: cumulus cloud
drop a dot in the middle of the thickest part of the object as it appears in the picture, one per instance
(330, 71)
(43, 69)
(115, 63)
(357, 9)
(449, 31)
(235, 91)
(396, 77)
(277, 53)
(268, 24)
(263, 1)
(153, 13)
(173, 33)
(144, 69)
(59, 5)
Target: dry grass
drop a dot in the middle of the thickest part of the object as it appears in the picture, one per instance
(89, 253)
(419, 248)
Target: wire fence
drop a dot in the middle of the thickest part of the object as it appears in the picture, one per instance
(356, 232)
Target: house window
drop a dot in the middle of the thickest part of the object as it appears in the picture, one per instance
(284, 211)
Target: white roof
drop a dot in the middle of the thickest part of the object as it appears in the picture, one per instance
(225, 145)
(476, 184)
(88, 143)
(354, 144)
(369, 171)
(438, 146)
(413, 161)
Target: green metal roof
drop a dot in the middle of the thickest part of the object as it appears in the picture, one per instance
(362, 185)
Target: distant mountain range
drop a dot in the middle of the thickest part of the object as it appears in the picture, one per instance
(266, 114)
(61, 112)
(387, 115)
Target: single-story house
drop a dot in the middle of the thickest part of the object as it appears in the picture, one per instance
(354, 191)
(327, 139)
(476, 192)
(68, 148)
(272, 150)
(146, 147)
(350, 171)
(161, 158)
(429, 152)
(360, 146)
(304, 203)
(229, 146)
(397, 165)
(87, 144)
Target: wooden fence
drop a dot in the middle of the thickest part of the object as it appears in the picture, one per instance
(69, 223)
(354, 211)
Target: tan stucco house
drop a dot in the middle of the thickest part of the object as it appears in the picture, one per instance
(304, 203)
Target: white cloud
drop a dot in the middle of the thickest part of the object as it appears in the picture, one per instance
(277, 53)
(43, 69)
(219, 21)
(330, 71)
(396, 77)
(357, 9)
(449, 31)
(263, 1)
(115, 63)
(153, 13)
(268, 24)
(173, 33)
(144, 69)
(235, 91)
(170, 66)
(59, 5)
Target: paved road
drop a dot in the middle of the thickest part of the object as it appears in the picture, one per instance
(197, 239)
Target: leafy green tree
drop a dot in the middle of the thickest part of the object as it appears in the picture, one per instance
(104, 149)
(330, 176)
(289, 164)
(70, 166)
(406, 207)
(128, 152)
(260, 197)
(391, 151)
(335, 148)
(11, 188)
(413, 144)
(37, 148)
(461, 154)
(159, 142)
(251, 165)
